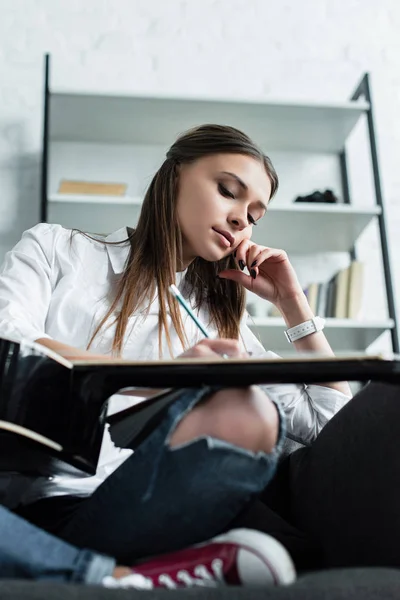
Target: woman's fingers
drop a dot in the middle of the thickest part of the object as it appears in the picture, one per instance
(257, 256)
(247, 255)
(253, 260)
(223, 346)
(241, 254)
(251, 255)
(213, 348)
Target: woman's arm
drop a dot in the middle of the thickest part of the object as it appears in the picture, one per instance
(274, 279)
(307, 407)
(297, 310)
(69, 352)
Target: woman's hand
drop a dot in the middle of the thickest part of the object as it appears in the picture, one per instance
(208, 348)
(272, 277)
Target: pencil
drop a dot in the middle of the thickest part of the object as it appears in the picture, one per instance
(175, 292)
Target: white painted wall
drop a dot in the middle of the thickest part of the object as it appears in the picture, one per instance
(314, 49)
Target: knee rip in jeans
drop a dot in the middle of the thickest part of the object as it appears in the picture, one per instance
(214, 444)
(235, 419)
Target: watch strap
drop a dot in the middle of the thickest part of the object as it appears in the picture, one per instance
(303, 329)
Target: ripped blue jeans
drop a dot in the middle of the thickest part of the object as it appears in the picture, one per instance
(162, 499)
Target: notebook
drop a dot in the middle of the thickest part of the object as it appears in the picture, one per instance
(58, 407)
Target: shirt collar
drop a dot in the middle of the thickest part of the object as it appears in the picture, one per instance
(118, 254)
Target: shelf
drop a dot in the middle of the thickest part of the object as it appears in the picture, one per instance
(93, 199)
(297, 228)
(305, 138)
(306, 229)
(93, 214)
(342, 334)
(107, 118)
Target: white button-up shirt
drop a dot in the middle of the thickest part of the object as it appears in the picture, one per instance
(57, 285)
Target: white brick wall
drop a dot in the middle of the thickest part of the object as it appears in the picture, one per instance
(310, 49)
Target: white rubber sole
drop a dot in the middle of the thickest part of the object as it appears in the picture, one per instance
(260, 550)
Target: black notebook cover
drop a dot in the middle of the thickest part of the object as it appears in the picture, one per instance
(131, 426)
(60, 405)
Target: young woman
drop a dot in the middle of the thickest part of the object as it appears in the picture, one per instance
(84, 295)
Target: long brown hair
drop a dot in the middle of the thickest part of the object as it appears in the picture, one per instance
(156, 245)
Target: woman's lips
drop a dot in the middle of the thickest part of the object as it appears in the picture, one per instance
(223, 240)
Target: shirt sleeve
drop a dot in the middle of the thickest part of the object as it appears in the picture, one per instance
(307, 407)
(25, 284)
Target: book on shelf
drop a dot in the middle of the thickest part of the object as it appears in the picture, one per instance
(355, 293)
(341, 296)
(312, 296)
(331, 297)
(95, 188)
(342, 292)
(322, 298)
(54, 411)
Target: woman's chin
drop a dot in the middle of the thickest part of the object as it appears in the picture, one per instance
(212, 255)
(209, 252)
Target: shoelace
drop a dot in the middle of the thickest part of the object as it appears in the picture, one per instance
(203, 578)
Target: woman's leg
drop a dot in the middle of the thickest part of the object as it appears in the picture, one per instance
(187, 480)
(27, 552)
(270, 513)
(345, 489)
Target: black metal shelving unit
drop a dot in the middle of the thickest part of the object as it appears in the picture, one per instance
(45, 141)
(364, 89)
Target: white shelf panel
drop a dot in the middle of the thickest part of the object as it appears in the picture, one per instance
(93, 215)
(95, 199)
(107, 118)
(306, 229)
(342, 334)
(298, 228)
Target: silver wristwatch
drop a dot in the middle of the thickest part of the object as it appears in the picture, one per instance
(299, 331)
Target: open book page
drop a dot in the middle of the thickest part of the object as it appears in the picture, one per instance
(29, 434)
(32, 347)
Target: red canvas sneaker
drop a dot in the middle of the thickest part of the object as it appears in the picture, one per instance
(240, 557)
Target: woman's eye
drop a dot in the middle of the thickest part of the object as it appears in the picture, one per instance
(224, 191)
